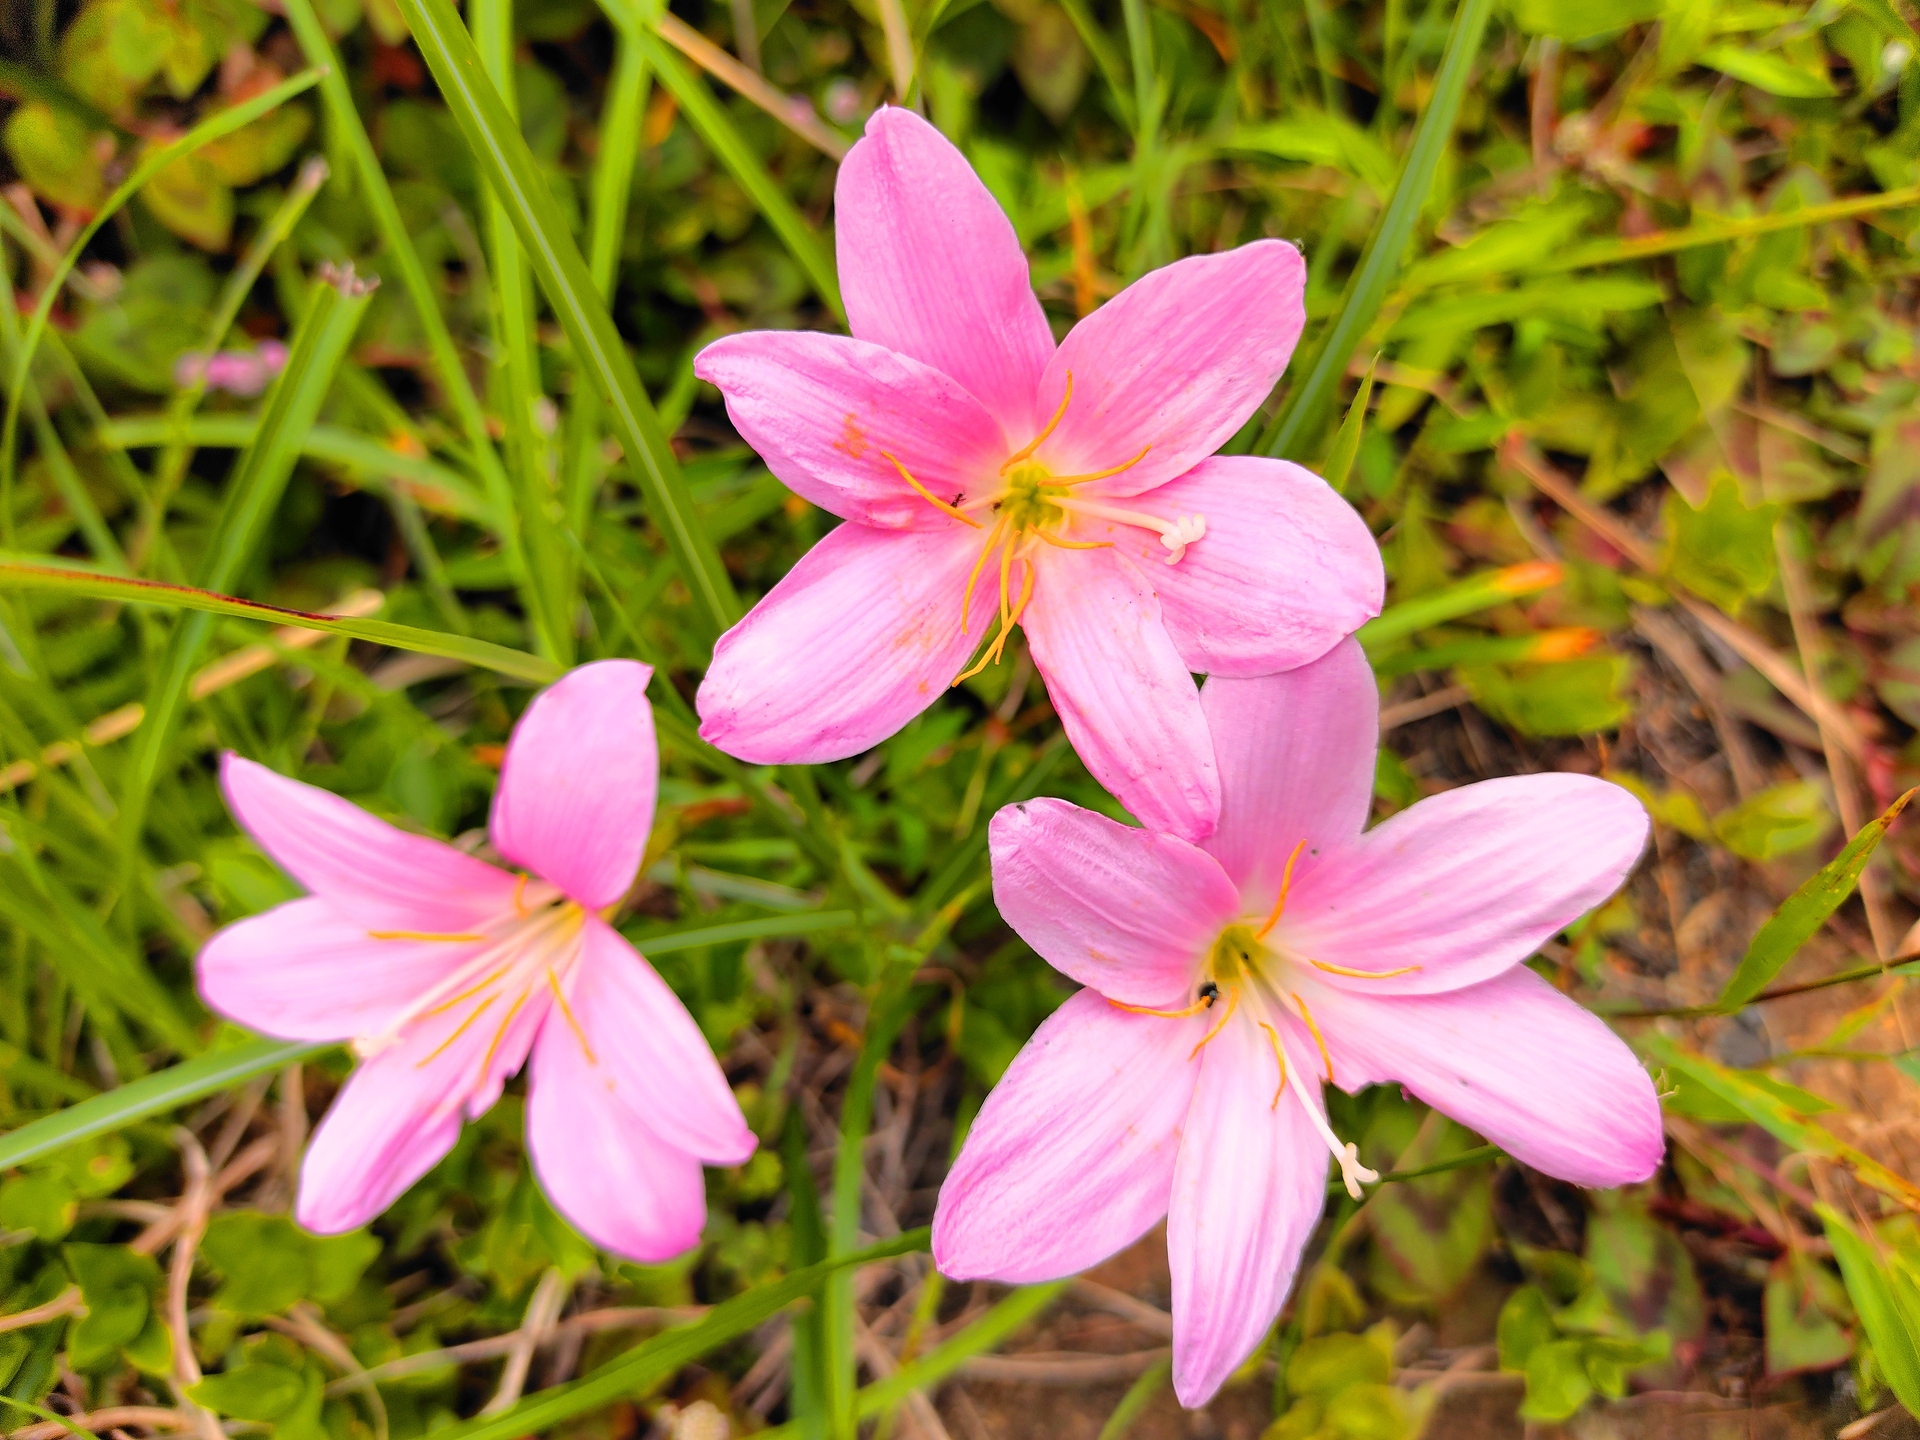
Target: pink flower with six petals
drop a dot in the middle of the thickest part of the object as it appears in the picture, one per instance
(988, 478)
(448, 973)
(1227, 981)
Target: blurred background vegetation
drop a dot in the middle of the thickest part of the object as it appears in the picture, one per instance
(1634, 282)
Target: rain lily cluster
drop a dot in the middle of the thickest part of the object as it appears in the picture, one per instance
(1252, 944)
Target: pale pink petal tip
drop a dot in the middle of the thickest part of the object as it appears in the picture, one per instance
(575, 803)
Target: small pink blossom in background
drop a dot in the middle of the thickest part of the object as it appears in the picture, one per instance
(238, 372)
(1185, 1080)
(844, 101)
(448, 973)
(989, 478)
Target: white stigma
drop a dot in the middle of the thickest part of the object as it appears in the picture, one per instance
(1184, 530)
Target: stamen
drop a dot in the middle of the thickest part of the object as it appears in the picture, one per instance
(1273, 1038)
(1054, 540)
(991, 655)
(567, 1010)
(422, 935)
(1352, 1172)
(1061, 482)
(1233, 1004)
(1175, 534)
(1286, 884)
(1205, 1002)
(1362, 974)
(519, 890)
(1034, 444)
(928, 496)
(1318, 1038)
(966, 598)
(486, 1061)
(459, 1030)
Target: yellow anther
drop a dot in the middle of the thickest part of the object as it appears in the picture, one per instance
(1233, 1004)
(1279, 1055)
(1061, 482)
(567, 1010)
(1362, 974)
(1286, 884)
(928, 496)
(966, 598)
(1205, 1002)
(1058, 543)
(500, 1034)
(1034, 444)
(441, 1048)
(991, 655)
(1318, 1038)
(422, 935)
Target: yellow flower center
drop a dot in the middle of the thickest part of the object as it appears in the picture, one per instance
(1030, 506)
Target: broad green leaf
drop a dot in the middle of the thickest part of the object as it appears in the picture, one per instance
(1768, 71)
(1557, 1381)
(57, 155)
(251, 1391)
(270, 1263)
(1797, 1309)
(44, 1204)
(1802, 913)
(1722, 551)
(1578, 20)
(1887, 1301)
(1778, 821)
(1576, 697)
(1525, 1324)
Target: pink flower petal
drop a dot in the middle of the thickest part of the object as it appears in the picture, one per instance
(645, 1047)
(575, 803)
(600, 1159)
(1296, 757)
(930, 266)
(1070, 1158)
(1125, 911)
(371, 871)
(1247, 1193)
(304, 971)
(1174, 365)
(1513, 1059)
(1126, 698)
(858, 638)
(401, 1111)
(1286, 569)
(1466, 884)
(825, 412)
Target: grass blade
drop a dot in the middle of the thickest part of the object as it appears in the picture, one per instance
(516, 179)
(1805, 911)
(172, 468)
(205, 133)
(1139, 1395)
(260, 478)
(484, 654)
(1463, 597)
(151, 1095)
(1346, 444)
(655, 1359)
(716, 128)
(1299, 416)
(810, 922)
(378, 197)
(518, 365)
(996, 1326)
(1887, 1303)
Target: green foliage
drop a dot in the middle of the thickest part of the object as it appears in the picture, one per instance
(1573, 697)
(1341, 1391)
(1723, 549)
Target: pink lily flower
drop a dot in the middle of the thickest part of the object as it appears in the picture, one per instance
(988, 478)
(1227, 982)
(447, 974)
